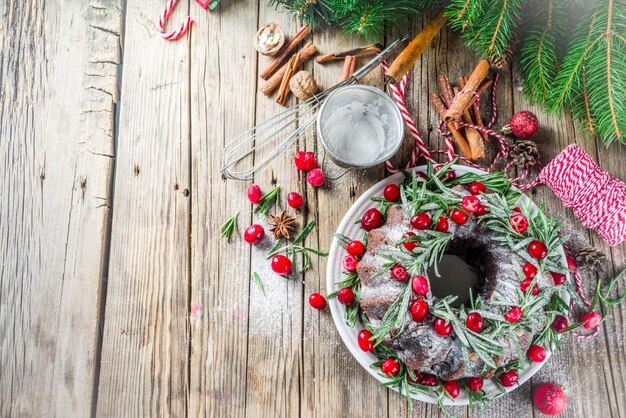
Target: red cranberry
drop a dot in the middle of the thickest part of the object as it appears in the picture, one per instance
(514, 314)
(305, 160)
(427, 380)
(355, 248)
(529, 270)
(295, 200)
(448, 175)
(317, 301)
(482, 211)
(471, 204)
(559, 324)
(477, 188)
(349, 263)
(419, 285)
(538, 250)
(418, 310)
(525, 284)
(371, 219)
(519, 223)
(398, 272)
(509, 378)
(254, 194)
(571, 263)
(390, 367)
(316, 178)
(441, 327)
(558, 278)
(475, 383)
(421, 174)
(442, 225)
(365, 343)
(345, 296)
(475, 322)
(411, 379)
(410, 245)
(517, 210)
(420, 221)
(392, 192)
(591, 320)
(459, 217)
(253, 234)
(281, 264)
(452, 387)
(536, 353)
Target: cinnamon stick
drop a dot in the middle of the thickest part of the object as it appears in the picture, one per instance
(283, 91)
(473, 136)
(446, 90)
(463, 101)
(349, 67)
(475, 111)
(282, 56)
(459, 138)
(304, 55)
(357, 52)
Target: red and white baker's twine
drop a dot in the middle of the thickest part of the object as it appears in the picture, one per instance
(573, 268)
(165, 14)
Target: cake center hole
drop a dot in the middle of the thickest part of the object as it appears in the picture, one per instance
(456, 278)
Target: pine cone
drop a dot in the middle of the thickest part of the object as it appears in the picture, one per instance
(525, 153)
(501, 61)
(591, 258)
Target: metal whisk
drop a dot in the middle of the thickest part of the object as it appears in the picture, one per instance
(289, 125)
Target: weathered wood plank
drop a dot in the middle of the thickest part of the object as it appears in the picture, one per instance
(144, 369)
(223, 91)
(58, 89)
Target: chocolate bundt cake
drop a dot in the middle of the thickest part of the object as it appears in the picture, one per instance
(418, 346)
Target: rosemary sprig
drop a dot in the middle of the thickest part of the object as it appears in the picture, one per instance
(395, 317)
(268, 200)
(259, 283)
(293, 249)
(228, 227)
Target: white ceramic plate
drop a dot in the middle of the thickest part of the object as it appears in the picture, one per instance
(334, 269)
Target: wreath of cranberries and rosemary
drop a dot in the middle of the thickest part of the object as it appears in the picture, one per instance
(433, 201)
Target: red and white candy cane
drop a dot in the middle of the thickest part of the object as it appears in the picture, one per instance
(165, 14)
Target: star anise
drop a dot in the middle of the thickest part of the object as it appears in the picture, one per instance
(281, 225)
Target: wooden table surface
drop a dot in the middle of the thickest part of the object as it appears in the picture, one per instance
(117, 296)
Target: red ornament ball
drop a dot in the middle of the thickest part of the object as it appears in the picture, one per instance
(254, 194)
(365, 343)
(459, 217)
(529, 270)
(508, 378)
(452, 387)
(349, 263)
(399, 272)
(390, 367)
(442, 225)
(305, 161)
(477, 188)
(536, 353)
(392, 192)
(317, 301)
(538, 250)
(559, 324)
(253, 234)
(355, 248)
(410, 245)
(295, 200)
(316, 178)
(418, 310)
(345, 296)
(441, 327)
(549, 399)
(371, 219)
(419, 285)
(475, 322)
(281, 264)
(591, 320)
(514, 314)
(525, 284)
(523, 124)
(475, 383)
(519, 223)
(420, 221)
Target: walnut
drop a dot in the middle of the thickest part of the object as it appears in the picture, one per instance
(303, 85)
(269, 39)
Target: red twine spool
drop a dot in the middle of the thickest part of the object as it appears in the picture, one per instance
(597, 198)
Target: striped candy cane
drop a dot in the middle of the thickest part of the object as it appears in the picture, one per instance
(182, 29)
